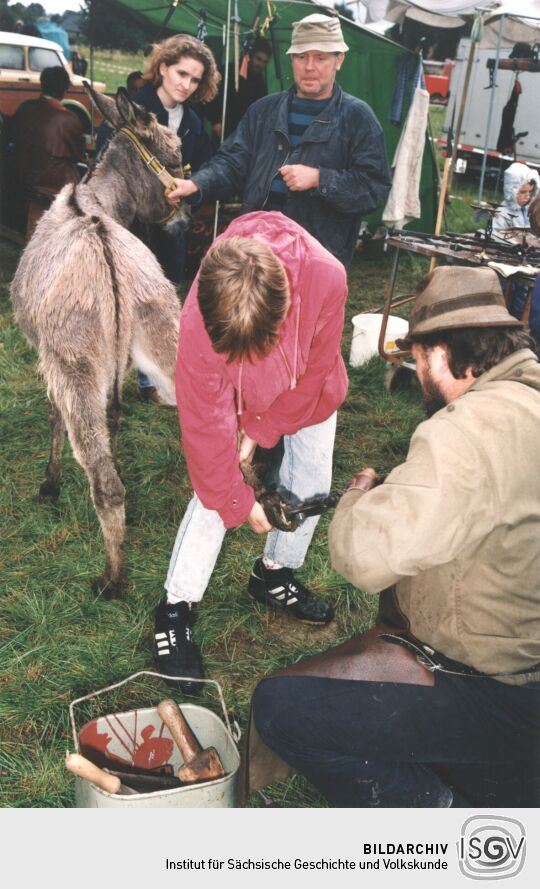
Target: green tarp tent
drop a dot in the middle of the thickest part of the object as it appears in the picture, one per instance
(370, 70)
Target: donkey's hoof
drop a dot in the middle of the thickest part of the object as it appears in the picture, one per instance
(109, 589)
(49, 491)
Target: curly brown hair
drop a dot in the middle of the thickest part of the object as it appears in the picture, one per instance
(170, 51)
(243, 297)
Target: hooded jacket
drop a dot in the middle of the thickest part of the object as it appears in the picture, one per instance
(457, 526)
(510, 214)
(301, 382)
(347, 146)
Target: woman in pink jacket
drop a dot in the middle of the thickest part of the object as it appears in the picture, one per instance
(259, 362)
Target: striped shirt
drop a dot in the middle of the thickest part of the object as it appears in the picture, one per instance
(301, 113)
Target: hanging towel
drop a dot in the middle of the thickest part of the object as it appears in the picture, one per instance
(403, 202)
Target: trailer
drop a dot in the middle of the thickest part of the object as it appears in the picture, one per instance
(472, 139)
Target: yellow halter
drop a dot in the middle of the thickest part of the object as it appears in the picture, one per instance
(157, 168)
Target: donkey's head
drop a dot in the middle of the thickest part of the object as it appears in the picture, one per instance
(141, 158)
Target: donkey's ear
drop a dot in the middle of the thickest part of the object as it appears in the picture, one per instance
(105, 105)
(132, 114)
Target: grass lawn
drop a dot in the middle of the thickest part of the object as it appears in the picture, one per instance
(58, 641)
(112, 68)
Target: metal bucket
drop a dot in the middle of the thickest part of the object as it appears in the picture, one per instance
(139, 737)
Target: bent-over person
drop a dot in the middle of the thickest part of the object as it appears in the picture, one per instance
(259, 362)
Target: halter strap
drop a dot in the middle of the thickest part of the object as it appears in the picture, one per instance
(157, 168)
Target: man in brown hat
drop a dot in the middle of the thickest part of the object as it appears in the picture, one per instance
(313, 152)
(450, 542)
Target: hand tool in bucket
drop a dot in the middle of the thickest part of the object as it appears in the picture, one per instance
(135, 752)
(199, 765)
(83, 768)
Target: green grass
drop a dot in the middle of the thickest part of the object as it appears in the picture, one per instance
(58, 641)
(112, 68)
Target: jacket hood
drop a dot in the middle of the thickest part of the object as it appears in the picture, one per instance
(515, 176)
(520, 367)
(280, 234)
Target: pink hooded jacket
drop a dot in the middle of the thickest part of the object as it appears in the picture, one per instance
(301, 382)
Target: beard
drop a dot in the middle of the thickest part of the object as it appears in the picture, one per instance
(432, 397)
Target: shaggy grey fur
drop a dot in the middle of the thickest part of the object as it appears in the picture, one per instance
(90, 298)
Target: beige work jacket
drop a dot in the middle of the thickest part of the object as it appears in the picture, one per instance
(457, 526)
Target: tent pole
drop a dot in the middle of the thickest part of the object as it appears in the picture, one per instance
(490, 112)
(225, 93)
(442, 199)
(461, 112)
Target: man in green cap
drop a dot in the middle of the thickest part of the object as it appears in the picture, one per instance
(450, 542)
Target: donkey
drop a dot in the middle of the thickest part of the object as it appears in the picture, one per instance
(91, 298)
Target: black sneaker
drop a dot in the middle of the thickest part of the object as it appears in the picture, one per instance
(279, 588)
(176, 652)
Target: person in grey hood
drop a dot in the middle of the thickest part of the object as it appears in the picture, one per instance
(449, 542)
(521, 185)
(314, 152)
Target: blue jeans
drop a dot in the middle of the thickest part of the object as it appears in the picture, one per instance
(464, 741)
(534, 314)
(305, 471)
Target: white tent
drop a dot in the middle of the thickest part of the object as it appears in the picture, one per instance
(432, 13)
(520, 19)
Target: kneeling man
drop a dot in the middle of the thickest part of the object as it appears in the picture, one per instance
(450, 542)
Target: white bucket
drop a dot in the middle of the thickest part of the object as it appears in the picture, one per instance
(138, 735)
(366, 331)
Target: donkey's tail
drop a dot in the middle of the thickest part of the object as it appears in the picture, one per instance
(103, 234)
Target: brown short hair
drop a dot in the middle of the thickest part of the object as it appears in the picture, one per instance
(243, 297)
(477, 348)
(170, 51)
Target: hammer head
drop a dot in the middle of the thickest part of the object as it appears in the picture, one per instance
(205, 766)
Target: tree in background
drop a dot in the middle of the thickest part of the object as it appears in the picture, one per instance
(13, 12)
(110, 27)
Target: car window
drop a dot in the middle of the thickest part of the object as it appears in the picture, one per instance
(39, 58)
(11, 57)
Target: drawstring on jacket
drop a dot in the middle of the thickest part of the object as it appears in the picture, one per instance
(239, 407)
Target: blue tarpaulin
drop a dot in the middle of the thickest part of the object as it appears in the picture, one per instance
(50, 31)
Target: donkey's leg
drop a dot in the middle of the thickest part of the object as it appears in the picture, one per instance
(85, 414)
(114, 416)
(50, 488)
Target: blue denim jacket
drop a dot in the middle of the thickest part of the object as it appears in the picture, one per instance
(346, 144)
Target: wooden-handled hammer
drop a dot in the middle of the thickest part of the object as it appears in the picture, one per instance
(82, 767)
(199, 765)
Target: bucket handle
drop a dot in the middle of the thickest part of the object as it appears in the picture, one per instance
(102, 691)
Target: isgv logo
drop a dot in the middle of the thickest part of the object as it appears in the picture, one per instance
(491, 848)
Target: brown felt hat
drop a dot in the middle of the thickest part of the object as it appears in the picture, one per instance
(317, 32)
(457, 296)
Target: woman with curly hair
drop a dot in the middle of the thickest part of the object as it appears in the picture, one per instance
(179, 71)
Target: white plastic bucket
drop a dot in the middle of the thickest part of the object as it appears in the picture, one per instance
(126, 735)
(366, 331)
